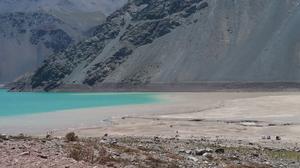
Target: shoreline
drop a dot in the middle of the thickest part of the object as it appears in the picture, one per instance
(221, 86)
(231, 115)
(207, 129)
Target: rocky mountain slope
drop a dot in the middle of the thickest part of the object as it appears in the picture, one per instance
(34, 29)
(175, 41)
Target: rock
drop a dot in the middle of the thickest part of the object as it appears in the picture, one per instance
(269, 137)
(43, 156)
(103, 140)
(116, 154)
(208, 155)
(234, 157)
(200, 152)
(114, 141)
(220, 150)
(278, 138)
(208, 150)
(203, 5)
(48, 136)
(24, 154)
(156, 139)
(181, 151)
(193, 158)
(4, 137)
(188, 152)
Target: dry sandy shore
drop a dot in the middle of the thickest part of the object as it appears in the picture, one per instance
(216, 129)
(228, 115)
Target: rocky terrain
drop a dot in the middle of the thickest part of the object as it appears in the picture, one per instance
(178, 42)
(33, 30)
(107, 151)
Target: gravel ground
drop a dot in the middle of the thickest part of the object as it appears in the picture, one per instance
(149, 152)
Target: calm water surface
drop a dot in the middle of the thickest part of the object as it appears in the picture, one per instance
(13, 104)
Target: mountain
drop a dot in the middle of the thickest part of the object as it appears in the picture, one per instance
(181, 41)
(105, 6)
(31, 30)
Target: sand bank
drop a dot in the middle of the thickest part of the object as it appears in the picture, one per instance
(235, 115)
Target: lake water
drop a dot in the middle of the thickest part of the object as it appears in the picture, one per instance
(15, 103)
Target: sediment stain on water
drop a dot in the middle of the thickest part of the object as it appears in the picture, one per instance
(16, 103)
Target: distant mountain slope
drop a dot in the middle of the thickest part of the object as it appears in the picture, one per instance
(182, 41)
(31, 30)
(81, 13)
(105, 6)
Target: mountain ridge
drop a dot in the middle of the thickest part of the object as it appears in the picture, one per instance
(31, 30)
(191, 41)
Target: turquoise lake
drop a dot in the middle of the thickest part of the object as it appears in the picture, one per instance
(14, 104)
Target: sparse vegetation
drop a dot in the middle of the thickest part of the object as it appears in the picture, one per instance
(71, 137)
(284, 154)
(141, 152)
(81, 152)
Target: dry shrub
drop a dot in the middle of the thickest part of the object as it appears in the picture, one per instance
(71, 137)
(89, 152)
(80, 152)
